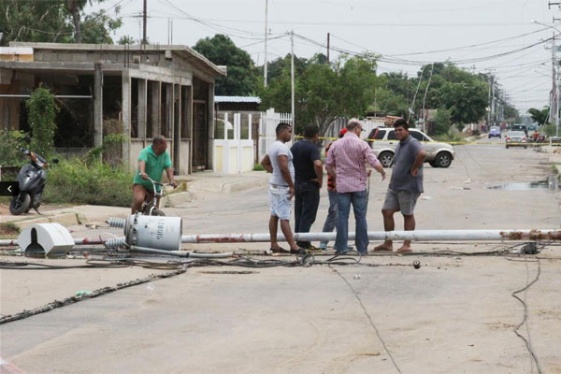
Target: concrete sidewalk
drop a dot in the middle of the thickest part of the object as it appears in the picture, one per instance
(198, 186)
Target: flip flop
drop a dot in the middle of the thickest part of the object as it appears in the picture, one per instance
(280, 251)
(382, 248)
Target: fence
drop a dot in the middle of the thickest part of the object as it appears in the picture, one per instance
(234, 146)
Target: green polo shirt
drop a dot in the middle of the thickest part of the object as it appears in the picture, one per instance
(155, 166)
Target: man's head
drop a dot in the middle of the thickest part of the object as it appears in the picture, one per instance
(401, 128)
(311, 132)
(284, 132)
(159, 144)
(355, 126)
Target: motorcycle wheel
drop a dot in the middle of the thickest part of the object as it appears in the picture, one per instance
(18, 206)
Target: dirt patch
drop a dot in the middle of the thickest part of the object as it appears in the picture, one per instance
(8, 230)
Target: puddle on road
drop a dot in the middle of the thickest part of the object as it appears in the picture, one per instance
(551, 183)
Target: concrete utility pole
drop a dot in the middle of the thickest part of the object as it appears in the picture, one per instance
(292, 82)
(554, 109)
(328, 42)
(491, 114)
(144, 23)
(266, 41)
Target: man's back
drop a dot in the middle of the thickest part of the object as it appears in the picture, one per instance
(351, 154)
(305, 153)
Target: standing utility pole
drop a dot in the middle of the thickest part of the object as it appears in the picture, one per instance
(144, 23)
(328, 40)
(292, 81)
(266, 40)
(554, 88)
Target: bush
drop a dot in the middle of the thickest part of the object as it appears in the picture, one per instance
(76, 181)
(9, 152)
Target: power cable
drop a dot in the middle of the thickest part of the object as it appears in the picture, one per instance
(527, 341)
(370, 320)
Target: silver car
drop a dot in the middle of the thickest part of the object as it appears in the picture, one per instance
(384, 141)
(516, 139)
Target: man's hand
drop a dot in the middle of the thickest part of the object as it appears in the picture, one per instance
(318, 181)
(173, 184)
(143, 175)
(290, 192)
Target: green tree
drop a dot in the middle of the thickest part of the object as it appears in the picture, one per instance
(390, 96)
(242, 74)
(325, 92)
(461, 92)
(57, 21)
(511, 113)
(42, 110)
(540, 116)
(281, 65)
(442, 121)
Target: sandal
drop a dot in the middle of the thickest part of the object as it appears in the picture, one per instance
(279, 251)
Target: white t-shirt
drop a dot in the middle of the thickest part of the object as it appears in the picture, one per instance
(279, 148)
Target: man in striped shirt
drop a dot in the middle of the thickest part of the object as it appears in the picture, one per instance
(346, 162)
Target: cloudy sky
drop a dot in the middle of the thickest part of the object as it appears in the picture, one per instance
(479, 35)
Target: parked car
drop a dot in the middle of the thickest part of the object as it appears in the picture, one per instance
(516, 139)
(495, 131)
(384, 142)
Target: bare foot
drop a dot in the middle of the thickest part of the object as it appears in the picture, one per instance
(383, 248)
(404, 249)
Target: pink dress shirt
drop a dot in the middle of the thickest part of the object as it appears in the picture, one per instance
(349, 156)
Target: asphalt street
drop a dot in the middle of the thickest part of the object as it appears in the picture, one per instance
(471, 307)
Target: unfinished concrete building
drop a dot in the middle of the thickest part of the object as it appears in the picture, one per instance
(138, 91)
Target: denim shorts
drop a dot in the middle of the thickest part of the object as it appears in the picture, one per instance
(280, 204)
(403, 201)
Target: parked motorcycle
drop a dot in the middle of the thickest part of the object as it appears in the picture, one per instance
(31, 179)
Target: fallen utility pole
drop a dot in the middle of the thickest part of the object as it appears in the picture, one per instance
(417, 235)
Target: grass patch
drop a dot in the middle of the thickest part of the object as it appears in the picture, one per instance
(8, 230)
(77, 181)
(258, 167)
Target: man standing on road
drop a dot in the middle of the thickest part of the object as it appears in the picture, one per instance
(331, 219)
(152, 161)
(281, 188)
(347, 161)
(406, 184)
(309, 178)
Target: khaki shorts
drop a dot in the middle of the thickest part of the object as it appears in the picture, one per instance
(403, 201)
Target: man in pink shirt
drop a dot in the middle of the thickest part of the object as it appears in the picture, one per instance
(346, 161)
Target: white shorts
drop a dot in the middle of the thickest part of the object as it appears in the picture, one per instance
(280, 204)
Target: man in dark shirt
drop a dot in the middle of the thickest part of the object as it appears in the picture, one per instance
(309, 178)
(406, 185)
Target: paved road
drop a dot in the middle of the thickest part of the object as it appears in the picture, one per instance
(454, 314)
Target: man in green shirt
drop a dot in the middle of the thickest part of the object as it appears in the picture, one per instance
(152, 161)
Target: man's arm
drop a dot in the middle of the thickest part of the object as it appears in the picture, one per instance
(142, 169)
(266, 163)
(169, 173)
(373, 161)
(285, 172)
(318, 168)
(330, 162)
(419, 159)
